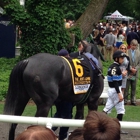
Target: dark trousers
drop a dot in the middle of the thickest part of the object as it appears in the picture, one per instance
(132, 84)
(64, 110)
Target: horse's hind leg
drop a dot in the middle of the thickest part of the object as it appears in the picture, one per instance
(44, 99)
(95, 94)
(42, 109)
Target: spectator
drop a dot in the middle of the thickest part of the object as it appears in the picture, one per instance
(124, 28)
(77, 134)
(120, 39)
(115, 32)
(95, 34)
(64, 108)
(110, 41)
(125, 66)
(67, 24)
(100, 42)
(134, 56)
(138, 32)
(128, 29)
(97, 126)
(132, 35)
(37, 133)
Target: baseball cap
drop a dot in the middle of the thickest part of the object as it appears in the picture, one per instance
(63, 52)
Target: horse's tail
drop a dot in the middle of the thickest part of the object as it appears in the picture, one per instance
(16, 89)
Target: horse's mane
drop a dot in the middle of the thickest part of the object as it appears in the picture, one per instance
(93, 49)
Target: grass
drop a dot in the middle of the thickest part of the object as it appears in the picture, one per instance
(6, 66)
(132, 112)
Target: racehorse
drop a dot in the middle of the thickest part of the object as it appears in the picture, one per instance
(44, 78)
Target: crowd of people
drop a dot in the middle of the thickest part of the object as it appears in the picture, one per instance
(117, 36)
(120, 45)
(109, 36)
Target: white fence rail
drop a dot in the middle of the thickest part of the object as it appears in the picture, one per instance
(57, 121)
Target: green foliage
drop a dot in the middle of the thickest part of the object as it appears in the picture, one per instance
(5, 69)
(78, 36)
(105, 67)
(73, 9)
(41, 24)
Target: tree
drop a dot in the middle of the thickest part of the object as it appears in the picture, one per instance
(92, 14)
(73, 9)
(42, 23)
(42, 26)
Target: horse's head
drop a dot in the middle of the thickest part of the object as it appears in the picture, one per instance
(93, 49)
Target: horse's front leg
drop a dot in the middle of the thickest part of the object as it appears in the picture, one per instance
(93, 104)
(79, 111)
(95, 94)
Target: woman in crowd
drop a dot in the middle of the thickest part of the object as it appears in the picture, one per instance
(125, 66)
(120, 39)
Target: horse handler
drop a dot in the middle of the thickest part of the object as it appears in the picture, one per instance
(64, 108)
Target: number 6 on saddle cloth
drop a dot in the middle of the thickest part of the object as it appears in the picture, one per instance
(80, 72)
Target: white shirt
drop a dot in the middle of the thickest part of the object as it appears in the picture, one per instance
(120, 38)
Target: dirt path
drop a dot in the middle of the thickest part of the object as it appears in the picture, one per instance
(132, 134)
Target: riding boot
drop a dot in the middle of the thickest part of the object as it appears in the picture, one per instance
(119, 117)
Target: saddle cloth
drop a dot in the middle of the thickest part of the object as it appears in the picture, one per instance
(80, 74)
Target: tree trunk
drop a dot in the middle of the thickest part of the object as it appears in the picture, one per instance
(92, 15)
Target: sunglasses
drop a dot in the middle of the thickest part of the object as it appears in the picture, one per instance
(134, 45)
(123, 48)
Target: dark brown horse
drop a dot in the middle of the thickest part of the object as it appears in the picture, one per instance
(44, 78)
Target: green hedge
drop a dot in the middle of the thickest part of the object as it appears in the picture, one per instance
(5, 69)
(8, 64)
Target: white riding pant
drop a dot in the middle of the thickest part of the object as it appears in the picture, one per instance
(113, 101)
